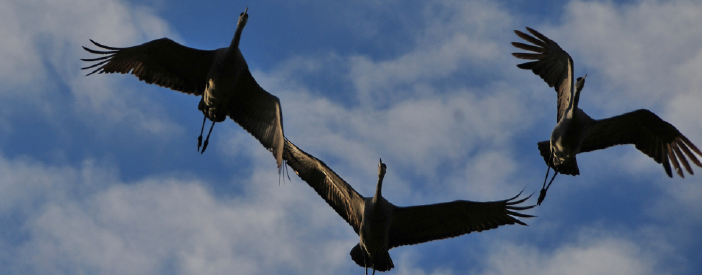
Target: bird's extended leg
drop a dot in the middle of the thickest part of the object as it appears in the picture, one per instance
(207, 140)
(545, 187)
(545, 178)
(199, 139)
(365, 256)
(365, 265)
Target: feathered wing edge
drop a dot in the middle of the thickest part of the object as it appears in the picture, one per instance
(650, 134)
(162, 62)
(259, 113)
(552, 64)
(333, 189)
(423, 223)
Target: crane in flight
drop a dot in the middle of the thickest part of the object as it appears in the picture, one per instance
(382, 226)
(576, 132)
(220, 76)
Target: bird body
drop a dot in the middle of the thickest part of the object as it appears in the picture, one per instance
(221, 77)
(382, 226)
(568, 135)
(576, 132)
(375, 223)
(375, 232)
(222, 83)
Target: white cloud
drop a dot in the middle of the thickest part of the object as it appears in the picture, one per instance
(86, 221)
(20, 63)
(589, 255)
(41, 56)
(455, 37)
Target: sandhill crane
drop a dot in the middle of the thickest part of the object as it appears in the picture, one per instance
(220, 76)
(576, 132)
(383, 226)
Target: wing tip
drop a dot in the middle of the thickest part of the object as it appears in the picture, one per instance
(512, 208)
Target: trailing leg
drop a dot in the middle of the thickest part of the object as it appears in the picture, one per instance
(545, 187)
(199, 139)
(207, 140)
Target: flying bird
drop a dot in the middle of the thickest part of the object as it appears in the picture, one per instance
(382, 226)
(576, 132)
(220, 76)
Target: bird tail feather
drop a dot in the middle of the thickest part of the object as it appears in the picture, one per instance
(382, 261)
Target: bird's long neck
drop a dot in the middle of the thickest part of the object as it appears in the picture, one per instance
(579, 84)
(378, 188)
(237, 37)
(574, 98)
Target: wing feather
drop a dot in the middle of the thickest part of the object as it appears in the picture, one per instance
(418, 224)
(333, 189)
(682, 159)
(553, 65)
(259, 112)
(674, 161)
(161, 62)
(527, 47)
(650, 134)
(689, 154)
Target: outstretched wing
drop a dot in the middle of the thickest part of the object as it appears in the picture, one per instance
(649, 133)
(418, 224)
(552, 64)
(332, 188)
(161, 62)
(259, 113)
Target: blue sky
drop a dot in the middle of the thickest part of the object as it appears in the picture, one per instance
(100, 174)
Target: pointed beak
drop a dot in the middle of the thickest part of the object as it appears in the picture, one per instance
(247, 9)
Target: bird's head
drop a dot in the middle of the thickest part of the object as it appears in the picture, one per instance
(381, 174)
(243, 17)
(381, 169)
(580, 82)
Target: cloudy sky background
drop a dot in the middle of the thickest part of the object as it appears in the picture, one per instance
(100, 174)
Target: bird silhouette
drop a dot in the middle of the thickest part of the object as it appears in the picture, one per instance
(382, 226)
(576, 132)
(220, 76)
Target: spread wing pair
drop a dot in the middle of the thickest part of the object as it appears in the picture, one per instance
(197, 72)
(645, 130)
(408, 225)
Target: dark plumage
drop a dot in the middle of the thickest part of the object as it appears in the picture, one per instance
(220, 76)
(383, 226)
(576, 132)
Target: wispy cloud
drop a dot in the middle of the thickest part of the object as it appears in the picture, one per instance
(589, 255)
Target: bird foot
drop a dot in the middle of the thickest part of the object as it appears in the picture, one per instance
(204, 146)
(199, 143)
(542, 195)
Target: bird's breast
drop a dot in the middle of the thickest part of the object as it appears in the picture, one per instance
(221, 89)
(568, 136)
(565, 142)
(375, 227)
